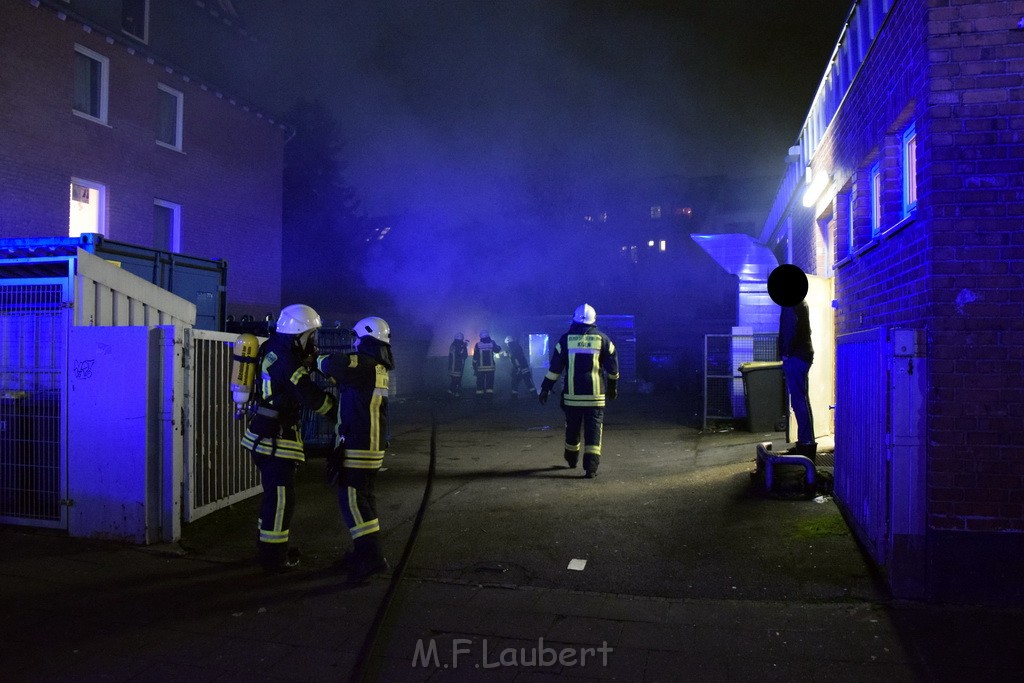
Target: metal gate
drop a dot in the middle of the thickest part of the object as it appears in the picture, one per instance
(217, 471)
(34, 322)
(723, 382)
(861, 469)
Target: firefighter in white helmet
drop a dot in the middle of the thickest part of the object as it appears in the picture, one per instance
(588, 358)
(458, 352)
(363, 437)
(273, 436)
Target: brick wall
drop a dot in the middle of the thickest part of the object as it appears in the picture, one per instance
(227, 178)
(972, 176)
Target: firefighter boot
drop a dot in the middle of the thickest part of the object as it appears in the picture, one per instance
(570, 458)
(590, 463)
(275, 558)
(368, 559)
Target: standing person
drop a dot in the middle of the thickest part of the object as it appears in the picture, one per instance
(521, 373)
(797, 355)
(272, 436)
(588, 358)
(362, 379)
(458, 352)
(484, 354)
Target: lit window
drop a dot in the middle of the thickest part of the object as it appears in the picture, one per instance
(909, 171)
(90, 93)
(135, 18)
(169, 117)
(603, 216)
(661, 245)
(87, 209)
(850, 219)
(650, 243)
(166, 225)
(876, 199)
(655, 212)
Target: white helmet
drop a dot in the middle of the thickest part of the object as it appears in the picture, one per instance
(373, 327)
(484, 334)
(585, 314)
(459, 336)
(509, 339)
(296, 319)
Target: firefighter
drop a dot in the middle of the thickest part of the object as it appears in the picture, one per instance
(457, 354)
(588, 358)
(362, 379)
(485, 353)
(273, 436)
(521, 373)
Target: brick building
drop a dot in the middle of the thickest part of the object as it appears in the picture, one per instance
(110, 126)
(904, 198)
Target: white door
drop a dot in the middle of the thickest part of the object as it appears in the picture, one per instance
(822, 378)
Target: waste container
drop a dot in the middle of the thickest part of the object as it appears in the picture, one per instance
(764, 390)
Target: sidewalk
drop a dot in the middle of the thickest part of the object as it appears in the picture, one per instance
(689, 576)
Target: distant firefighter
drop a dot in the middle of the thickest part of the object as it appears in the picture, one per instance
(589, 359)
(521, 373)
(484, 354)
(458, 352)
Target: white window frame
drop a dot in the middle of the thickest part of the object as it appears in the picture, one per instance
(851, 223)
(144, 38)
(179, 115)
(909, 147)
(175, 209)
(104, 85)
(875, 183)
(101, 207)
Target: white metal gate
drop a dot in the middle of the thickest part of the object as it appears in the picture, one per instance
(34, 320)
(217, 471)
(862, 467)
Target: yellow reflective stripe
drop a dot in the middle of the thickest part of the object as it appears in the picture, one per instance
(575, 447)
(615, 376)
(282, 499)
(273, 536)
(353, 506)
(368, 527)
(611, 346)
(353, 360)
(325, 407)
(375, 402)
(301, 372)
(553, 376)
(365, 460)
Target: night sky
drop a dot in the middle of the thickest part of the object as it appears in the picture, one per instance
(484, 94)
(471, 114)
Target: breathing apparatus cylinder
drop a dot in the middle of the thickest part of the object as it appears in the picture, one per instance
(243, 370)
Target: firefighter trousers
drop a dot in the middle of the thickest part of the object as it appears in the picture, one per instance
(584, 428)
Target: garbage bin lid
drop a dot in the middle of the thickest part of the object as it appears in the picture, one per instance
(760, 365)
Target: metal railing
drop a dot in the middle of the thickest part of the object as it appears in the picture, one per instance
(724, 399)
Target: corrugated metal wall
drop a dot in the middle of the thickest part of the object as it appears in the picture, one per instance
(861, 467)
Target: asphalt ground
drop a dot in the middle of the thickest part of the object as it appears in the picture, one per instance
(685, 568)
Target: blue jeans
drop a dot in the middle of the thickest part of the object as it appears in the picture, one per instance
(796, 370)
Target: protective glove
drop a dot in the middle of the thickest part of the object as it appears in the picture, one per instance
(613, 390)
(543, 396)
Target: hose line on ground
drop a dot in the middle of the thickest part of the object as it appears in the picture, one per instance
(366, 662)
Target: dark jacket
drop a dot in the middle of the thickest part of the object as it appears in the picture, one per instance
(517, 355)
(362, 379)
(286, 387)
(795, 332)
(484, 355)
(458, 352)
(588, 357)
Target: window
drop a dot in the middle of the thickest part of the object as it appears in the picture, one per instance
(909, 171)
(876, 199)
(91, 76)
(88, 208)
(850, 223)
(655, 212)
(166, 225)
(135, 18)
(169, 117)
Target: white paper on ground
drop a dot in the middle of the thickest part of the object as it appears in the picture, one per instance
(578, 565)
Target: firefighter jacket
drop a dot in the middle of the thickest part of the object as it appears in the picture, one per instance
(362, 379)
(584, 354)
(484, 354)
(457, 354)
(285, 388)
(517, 355)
